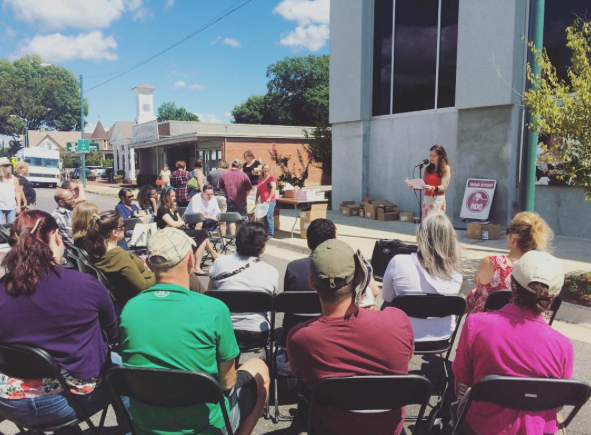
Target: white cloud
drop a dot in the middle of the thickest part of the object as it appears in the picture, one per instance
(58, 14)
(208, 118)
(10, 32)
(312, 18)
(216, 40)
(179, 84)
(89, 127)
(169, 4)
(228, 114)
(231, 42)
(197, 86)
(59, 48)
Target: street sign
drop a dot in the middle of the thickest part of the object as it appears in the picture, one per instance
(83, 145)
(73, 147)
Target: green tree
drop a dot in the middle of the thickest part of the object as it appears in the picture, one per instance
(170, 112)
(40, 96)
(562, 109)
(297, 94)
(94, 159)
(320, 148)
(67, 159)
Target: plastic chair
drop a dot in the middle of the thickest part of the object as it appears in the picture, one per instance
(359, 393)
(181, 210)
(24, 362)
(527, 394)
(497, 300)
(305, 305)
(230, 217)
(165, 388)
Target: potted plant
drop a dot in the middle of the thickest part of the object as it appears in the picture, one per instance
(118, 179)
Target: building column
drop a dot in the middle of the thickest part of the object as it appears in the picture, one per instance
(115, 160)
(126, 161)
(131, 164)
(120, 154)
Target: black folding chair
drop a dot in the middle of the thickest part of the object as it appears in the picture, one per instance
(198, 218)
(4, 234)
(165, 388)
(497, 300)
(371, 393)
(130, 224)
(24, 362)
(228, 218)
(300, 306)
(527, 394)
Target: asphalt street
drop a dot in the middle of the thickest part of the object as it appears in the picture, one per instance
(279, 259)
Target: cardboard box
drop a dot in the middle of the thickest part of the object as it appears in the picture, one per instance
(289, 194)
(370, 211)
(484, 231)
(383, 203)
(343, 207)
(384, 215)
(304, 224)
(407, 216)
(350, 210)
(315, 211)
(303, 234)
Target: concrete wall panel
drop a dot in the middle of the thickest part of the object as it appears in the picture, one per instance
(565, 210)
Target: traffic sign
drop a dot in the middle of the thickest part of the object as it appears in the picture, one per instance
(73, 147)
(83, 145)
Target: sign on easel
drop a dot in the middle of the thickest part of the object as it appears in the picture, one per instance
(478, 198)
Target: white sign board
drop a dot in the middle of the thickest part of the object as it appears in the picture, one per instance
(145, 132)
(478, 198)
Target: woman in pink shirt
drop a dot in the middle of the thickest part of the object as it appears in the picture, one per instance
(516, 341)
(266, 194)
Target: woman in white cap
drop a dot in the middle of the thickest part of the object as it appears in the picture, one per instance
(516, 341)
(10, 197)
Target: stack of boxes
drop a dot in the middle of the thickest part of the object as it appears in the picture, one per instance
(349, 208)
(315, 211)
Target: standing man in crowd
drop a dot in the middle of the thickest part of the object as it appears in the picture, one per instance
(170, 327)
(205, 204)
(213, 179)
(236, 186)
(179, 180)
(68, 196)
(347, 340)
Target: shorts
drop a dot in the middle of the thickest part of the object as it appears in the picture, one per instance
(243, 399)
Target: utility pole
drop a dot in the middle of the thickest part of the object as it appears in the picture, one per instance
(82, 132)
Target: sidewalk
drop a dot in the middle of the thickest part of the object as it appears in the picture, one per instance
(106, 189)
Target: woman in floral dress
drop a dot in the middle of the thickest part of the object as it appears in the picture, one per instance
(527, 231)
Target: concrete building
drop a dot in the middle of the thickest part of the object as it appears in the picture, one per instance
(405, 75)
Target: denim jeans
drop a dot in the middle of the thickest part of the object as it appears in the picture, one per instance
(7, 216)
(269, 220)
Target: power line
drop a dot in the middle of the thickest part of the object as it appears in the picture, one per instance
(160, 53)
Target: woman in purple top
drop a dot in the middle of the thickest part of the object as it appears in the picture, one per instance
(64, 312)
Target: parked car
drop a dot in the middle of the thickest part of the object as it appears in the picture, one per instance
(106, 172)
(96, 170)
(77, 173)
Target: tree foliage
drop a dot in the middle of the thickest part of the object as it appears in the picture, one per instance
(45, 96)
(320, 148)
(170, 112)
(297, 94)
(562, 109)
(94, 159)
(292, 173)
(67, 159)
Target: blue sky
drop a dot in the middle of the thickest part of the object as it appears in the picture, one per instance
(208, 74)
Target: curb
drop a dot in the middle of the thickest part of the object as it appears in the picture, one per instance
(576, 314)
(98, 192)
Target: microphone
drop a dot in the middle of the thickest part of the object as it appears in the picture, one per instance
(423, 163)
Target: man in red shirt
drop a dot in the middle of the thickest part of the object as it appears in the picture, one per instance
(348, 341)
(237, 186)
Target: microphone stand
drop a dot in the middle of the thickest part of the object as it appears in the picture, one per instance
(421, 166)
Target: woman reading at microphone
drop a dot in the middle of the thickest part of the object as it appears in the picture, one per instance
(437, 176)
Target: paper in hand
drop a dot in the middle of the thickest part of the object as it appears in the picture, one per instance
(416, 183)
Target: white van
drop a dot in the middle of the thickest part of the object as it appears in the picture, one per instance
(97, 170)
(44, 165)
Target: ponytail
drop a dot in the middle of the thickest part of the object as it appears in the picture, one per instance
(99, 231)
(30, 256)
(531, 232)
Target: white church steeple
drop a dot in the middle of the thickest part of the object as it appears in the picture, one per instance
(144, 103)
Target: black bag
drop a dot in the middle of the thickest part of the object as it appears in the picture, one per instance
(384, 251)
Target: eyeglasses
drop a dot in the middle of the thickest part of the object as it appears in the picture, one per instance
(122, 227)
(6, 166)
(129, 197)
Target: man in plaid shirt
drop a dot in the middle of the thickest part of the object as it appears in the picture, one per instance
(179, 180)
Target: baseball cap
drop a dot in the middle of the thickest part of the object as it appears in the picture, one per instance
(541, 267)
(333, 265)
(170, 246)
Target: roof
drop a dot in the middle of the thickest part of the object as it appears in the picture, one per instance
(125, 127)
(59, 137)
(99, 132)
(143, 86)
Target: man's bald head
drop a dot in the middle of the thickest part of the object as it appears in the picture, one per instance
(64, 198)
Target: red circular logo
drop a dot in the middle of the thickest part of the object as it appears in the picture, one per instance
(477, 201)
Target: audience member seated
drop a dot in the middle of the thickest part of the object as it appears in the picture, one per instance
(527, 232)
(207, 205)
(64, 312)
(244, 270)
(169, 327)
(81, 217)
(298, 271)
(516, 341)
(434, 269)
(168, 216)
(66, 198)
(126, 272)
(348, 341)
(147, 199)
(126, 207)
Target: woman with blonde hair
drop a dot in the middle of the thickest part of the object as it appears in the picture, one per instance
(527, 232)
(434, 269)
(266, 195)
(10, 197)
(81, 217)
(26, 189)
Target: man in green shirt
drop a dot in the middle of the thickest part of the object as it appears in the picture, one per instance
(168, 326)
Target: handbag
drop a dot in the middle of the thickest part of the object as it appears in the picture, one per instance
(141, 234)
(159, 181)
(193, 184)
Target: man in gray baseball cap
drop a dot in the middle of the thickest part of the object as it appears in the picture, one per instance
(170, 327)
(347, 340)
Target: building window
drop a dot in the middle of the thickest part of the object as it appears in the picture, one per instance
(146, 107)
(417, 40)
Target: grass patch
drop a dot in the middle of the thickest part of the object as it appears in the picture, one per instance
(577, 289)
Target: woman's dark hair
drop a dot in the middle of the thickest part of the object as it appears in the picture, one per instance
(143, 196)
(319, 231)
(443, 161)
(98, 233)
(251, 239)
(248, 153)
(198, 163)
(30, 256)
(123, 193)
(537, 302)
